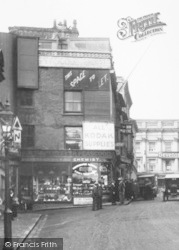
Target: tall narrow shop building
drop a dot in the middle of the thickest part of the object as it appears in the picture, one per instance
(66, 107)
(157, 147)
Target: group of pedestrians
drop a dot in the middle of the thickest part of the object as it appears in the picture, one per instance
(124, 189)
(120, 191)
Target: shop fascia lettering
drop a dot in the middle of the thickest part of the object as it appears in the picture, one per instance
(169, 155)
(81, 159)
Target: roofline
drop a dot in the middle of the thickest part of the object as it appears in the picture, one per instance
(156, 120)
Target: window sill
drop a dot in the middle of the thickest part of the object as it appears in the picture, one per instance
(70, 114)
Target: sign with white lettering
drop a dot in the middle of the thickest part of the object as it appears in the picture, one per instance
(98, 136)
(82, 200)
(126, 128)
(169, 155)
(17, 136)
(86, 79)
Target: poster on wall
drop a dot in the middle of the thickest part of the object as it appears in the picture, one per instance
(98, 136)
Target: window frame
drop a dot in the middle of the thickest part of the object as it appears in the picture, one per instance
(25, 94)
(138, 146)
(152, 149)
(68, 139)
(166, 165)
(166, 146)
(81, 103)
(28, 138)
(152, 167)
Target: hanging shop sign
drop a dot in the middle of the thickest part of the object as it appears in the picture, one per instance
(86, 79)
(98, 136)
(126, 128)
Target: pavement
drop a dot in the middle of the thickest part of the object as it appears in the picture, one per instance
(21, 226)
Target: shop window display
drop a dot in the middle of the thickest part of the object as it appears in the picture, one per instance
(84, 177)
(52, 186)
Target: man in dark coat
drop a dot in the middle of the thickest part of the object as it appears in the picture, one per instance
(100, 195)
(95, 197)
(113, 193)
(121, 190)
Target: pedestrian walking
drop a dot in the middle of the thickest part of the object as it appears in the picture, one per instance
(113, 193)
(95, 197)
(121, 190)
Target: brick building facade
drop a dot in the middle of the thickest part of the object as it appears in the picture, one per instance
(67, 101)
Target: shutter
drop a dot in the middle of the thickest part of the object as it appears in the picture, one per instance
(97, 104)
(27, 62)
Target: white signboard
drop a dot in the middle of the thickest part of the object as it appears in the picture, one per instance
(17, 136)
(98, 136)
(82, 200)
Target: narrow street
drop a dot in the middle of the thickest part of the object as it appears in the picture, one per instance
(142, 225)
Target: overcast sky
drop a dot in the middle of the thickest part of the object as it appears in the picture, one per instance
(151, 65)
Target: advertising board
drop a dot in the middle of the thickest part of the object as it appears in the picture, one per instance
(98, 136)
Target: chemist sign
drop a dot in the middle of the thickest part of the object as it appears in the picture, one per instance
(98, 136)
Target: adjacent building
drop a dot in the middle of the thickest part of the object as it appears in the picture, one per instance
(157, 147)
(7, 96)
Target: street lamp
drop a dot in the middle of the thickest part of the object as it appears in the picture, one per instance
(5, 115)
(7, 140)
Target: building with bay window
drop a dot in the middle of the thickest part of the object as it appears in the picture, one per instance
(157, 147)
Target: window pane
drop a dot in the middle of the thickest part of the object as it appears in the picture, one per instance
(151, 146)
(73, 101)
(137, 146)
(25, 97)
(152, 164)
(28, 134)
(73, 138)
(45, 45)
(168, 146)
(73, 132)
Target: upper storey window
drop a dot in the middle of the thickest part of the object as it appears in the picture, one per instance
(53, 44)
(45, 45)
(73, 101)
(152, 146)
(25, 97)
(62, 45)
